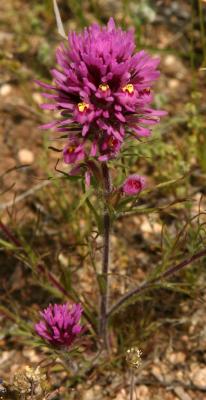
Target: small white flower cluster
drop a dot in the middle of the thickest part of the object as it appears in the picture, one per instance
(133, 357)
(30, 381)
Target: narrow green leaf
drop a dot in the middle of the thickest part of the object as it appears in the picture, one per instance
(7, 245)
(84, 198)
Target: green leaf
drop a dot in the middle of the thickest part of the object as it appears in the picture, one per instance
(164, 184)
(84, 198)
(95, 213)
(102, 283)
(7, 245)
(9, 314)
(124, 202)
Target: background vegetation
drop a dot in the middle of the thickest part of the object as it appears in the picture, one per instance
(48, 243)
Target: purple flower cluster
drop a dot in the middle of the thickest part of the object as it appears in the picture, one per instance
(60, 325)
(102, 91)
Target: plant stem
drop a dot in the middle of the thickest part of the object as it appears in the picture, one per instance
(202, 29)
(9, 234)
(148, 284)
(105, 259)
(131, 390)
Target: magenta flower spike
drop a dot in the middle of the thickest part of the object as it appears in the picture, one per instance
(133, 185)
(60, 324)
(102, 91)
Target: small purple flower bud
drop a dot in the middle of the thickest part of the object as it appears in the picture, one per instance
(73, 152)
(60, 324)
(109, 148)
(133, 185)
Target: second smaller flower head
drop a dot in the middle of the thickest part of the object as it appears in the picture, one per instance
(60, 324)
(133, 185)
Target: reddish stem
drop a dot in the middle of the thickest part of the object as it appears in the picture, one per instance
(146, 285)
(9, 234)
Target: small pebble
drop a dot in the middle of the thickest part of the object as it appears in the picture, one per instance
(170, 60)
(173, 83)
(5, 90)
(198, 378)
(181, 393)
(121, 395)
(142, 392)
(25, 156)
(177, 358)
(156, 371)
(37, 98)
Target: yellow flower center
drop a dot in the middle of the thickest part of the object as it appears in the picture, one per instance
(70, 149)
(112, 142)
(147, 90)
(82, 106)
(104, 87)
(128, 88)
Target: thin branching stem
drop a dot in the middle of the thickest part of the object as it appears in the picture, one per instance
(148, 284)
(9, 234)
